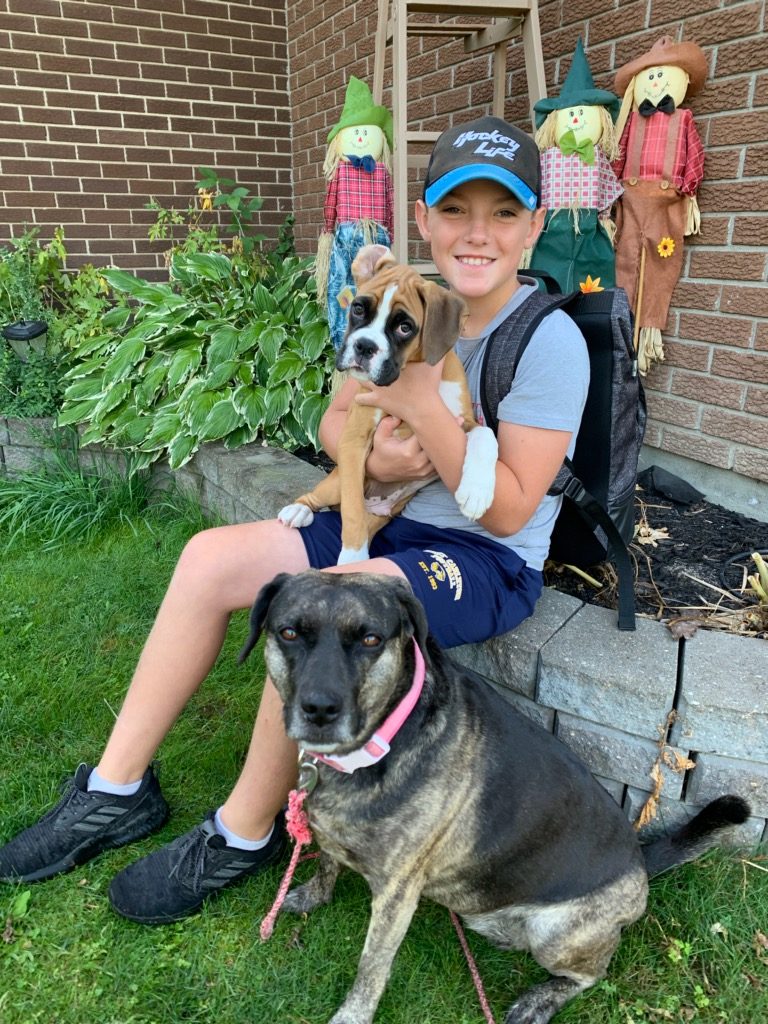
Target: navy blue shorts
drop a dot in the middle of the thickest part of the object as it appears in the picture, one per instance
(472, 588)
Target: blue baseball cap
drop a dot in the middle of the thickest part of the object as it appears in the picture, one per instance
(486, 148)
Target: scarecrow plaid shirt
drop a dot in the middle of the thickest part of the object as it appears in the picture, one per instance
(354, 194)
(652, 133)
(567, 181)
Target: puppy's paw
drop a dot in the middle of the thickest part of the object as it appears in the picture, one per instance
(474, 495)
(296, 515)
(349, 555)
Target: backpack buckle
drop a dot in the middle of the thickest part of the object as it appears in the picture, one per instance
(575, 490)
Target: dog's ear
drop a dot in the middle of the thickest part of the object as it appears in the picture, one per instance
(259, 610)
(414, 616)
(370, 260)
(443, 314)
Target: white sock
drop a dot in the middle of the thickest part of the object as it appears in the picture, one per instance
(101, 785)
(236, 841)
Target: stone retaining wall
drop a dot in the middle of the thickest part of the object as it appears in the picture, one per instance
(625, 702)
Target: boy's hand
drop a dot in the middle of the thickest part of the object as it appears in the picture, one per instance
(393, 458)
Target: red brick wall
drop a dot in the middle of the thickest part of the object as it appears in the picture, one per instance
(709, 400)
(103, 105)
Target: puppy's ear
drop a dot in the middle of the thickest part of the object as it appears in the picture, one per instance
(414, 617)
(443, 314)
(264, 599)
(370, 260)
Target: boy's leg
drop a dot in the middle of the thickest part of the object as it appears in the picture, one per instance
(219, 571)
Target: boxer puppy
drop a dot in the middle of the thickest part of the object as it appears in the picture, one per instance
(396, 317)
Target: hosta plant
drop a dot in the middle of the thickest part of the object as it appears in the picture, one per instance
(232, 349)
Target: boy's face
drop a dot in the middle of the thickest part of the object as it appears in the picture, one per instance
(477, 234)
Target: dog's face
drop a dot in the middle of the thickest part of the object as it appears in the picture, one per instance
(396, 317)
(335, 650)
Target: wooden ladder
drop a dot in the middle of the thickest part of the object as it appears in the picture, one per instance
(519, 18)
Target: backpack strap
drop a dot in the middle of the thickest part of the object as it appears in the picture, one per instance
(592, 512)
(505, 347)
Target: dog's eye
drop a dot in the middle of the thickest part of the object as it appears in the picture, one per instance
(357, 309)
(404, 330)
(371, 640)
(289, 633)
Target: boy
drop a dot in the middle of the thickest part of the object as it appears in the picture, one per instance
(478, 212)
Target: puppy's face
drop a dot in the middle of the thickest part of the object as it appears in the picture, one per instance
(396, 317)
(335, 649)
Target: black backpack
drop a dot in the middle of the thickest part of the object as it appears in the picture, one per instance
(597, 523)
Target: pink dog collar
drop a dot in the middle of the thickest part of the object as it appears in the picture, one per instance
(377, 746)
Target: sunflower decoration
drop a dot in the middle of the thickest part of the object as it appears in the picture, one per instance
(666, 247)
(591, 285)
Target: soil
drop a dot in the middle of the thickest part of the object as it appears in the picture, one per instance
(691, 565)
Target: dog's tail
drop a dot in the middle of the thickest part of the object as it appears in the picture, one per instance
(696, 836)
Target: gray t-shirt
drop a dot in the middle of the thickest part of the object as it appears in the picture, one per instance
(549, 390)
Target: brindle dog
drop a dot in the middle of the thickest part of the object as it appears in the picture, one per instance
(474, 806)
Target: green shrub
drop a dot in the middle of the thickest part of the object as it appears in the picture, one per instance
(233, 349)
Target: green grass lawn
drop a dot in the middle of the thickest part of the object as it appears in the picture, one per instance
(72, 622)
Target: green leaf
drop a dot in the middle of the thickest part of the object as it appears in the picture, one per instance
(114, 397)
(315, 340)
(181, 449)
(89, 387)
(127, 354)
(222, 419)
(223, 345)
(310, 412)
(116, 318)
(77, 413)
(311, 380)
(198, 407)
(287, 367)
(84, 369)
(164, 428)
(239, 437)
(20, 904)
(222, 374)
(183, 364)
(250, 400)
(262, 301)
(271, 341)
(154, 376)
(211, 266)
(278, 403)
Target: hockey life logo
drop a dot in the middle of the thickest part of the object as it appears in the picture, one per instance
(492, 144)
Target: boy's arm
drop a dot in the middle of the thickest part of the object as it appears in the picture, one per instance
(529, 457)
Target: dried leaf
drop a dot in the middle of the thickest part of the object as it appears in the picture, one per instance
(645, 534)
(719, 929)
(685, 628)
(677, 762)
(760, 945)
(8, 933)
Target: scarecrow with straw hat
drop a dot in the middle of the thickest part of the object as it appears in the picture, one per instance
(359, 206)
(661, 165)
(576, 136)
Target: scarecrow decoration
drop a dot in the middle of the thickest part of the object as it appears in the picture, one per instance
(576, 136)
(661, 165)
(359, 206)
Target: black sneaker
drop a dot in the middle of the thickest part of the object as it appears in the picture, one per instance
(176, 880)
(80, 826)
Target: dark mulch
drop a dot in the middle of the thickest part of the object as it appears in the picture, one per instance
(692, 565)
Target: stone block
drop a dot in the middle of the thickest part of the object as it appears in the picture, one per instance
(616, 789)
(545, 717)
(715, 776)
(511, 660)
(260, 479)
(673, 813)
(5, 437)
(24, 460)
(28, 432)
(723, 707)
(617, 755)
(625, 680)
(217, 501)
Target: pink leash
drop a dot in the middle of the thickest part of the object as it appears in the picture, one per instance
(478, 981)
(297, 826)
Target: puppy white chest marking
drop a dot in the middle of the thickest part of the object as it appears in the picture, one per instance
(450, 392)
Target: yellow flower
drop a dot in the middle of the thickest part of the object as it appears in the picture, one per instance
(206, 199)
(666, 247)
(591, 286)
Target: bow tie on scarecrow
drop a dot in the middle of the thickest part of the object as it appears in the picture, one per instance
(661, 165)
(576, 137)
(365, 163)
(359, 198)
(665, 106)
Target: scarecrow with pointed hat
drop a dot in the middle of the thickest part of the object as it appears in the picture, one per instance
(359, 205)
(576, 136)
(661, 165)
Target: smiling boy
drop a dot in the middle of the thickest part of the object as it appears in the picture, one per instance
(475, 579)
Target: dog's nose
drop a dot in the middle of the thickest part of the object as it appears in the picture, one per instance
(321, 710)
(365, 348)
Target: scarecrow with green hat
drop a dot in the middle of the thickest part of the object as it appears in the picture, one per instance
(575, 133)
(359, 201)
